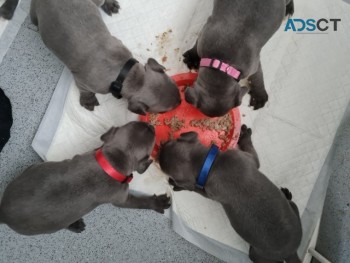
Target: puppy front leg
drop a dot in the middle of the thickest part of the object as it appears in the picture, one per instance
(191, 58)
(77, 226)
(257, 91)
(156, 203)
(246, 145)
(88, 100)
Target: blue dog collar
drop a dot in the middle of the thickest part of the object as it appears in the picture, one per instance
(208, 163)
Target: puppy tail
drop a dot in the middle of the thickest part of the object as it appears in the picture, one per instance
(293, 259)
(290, 8)
(8, 8)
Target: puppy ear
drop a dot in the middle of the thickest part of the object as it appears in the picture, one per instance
(109, 134)
(138, 107)
(191, 96)
(143, 165)
(155, 66)
(188, 137)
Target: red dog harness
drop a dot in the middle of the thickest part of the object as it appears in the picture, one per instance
(222, 66)
(108, 168)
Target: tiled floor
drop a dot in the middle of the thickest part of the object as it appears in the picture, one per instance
(333, 241)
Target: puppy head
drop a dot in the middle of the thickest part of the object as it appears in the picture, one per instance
(177, 160)
(214, 93)
(133, 143)
(156, 93)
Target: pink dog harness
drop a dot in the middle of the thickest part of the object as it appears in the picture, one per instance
(222, 66)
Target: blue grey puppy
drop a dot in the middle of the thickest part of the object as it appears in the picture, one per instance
(75, 32)
(261, 214)
(235, 34)
(52, 196)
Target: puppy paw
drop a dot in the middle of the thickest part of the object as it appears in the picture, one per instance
(175, 187)
(287, 193)
(78, 226)
(160, 203)
(245, 135)
(110, 7)
(89, 103)
(191, 59)
(258, 99)
(245, 130)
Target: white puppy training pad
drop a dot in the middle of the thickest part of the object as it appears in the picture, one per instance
(9, 28)
(308, 84)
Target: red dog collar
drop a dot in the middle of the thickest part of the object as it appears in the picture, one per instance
(108, 168)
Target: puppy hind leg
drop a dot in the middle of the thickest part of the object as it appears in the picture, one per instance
(156, 203)
(289, 197)
(246, 145)
(258, 94)
(256, 258)
(77, 227)
(295, 208)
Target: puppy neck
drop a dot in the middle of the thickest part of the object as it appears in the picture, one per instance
(199, 155)
(199, 158)
(215, 81)
(118, 159)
